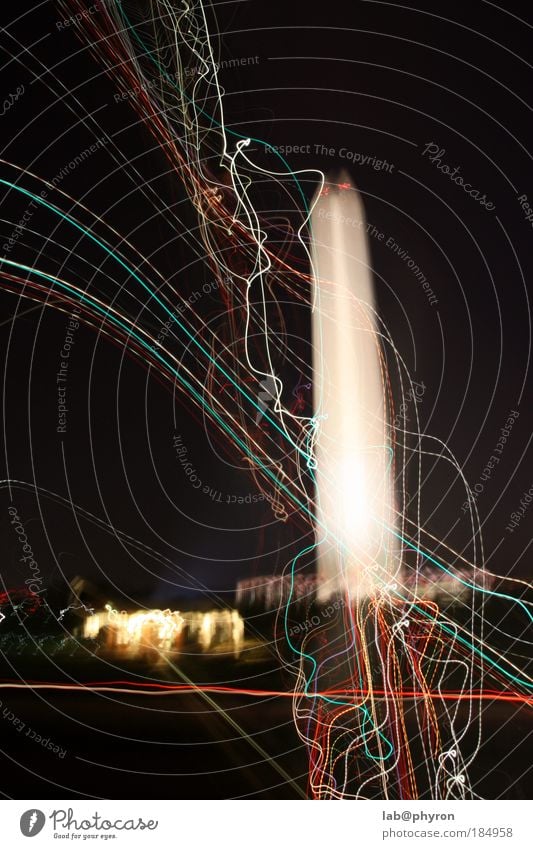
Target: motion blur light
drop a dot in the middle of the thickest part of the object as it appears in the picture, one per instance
(356, 552)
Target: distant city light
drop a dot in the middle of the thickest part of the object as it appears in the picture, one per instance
(165, 630)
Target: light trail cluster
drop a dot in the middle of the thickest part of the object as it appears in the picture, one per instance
(378, 686)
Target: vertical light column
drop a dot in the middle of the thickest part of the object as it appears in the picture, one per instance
(354, 459)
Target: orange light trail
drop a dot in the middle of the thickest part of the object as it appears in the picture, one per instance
(154, 689)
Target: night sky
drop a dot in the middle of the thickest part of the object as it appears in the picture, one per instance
(350, 85)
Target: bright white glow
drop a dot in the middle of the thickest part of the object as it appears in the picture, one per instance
(354, 480)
